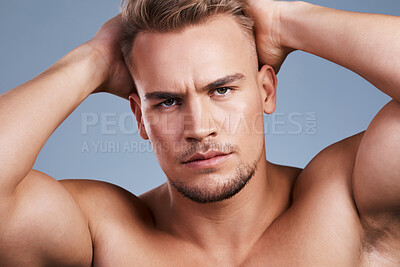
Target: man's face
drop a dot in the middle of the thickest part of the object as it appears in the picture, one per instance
(201, 105)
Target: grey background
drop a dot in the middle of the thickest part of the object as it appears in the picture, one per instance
(35, 34)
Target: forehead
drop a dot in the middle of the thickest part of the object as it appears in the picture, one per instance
(191, 57)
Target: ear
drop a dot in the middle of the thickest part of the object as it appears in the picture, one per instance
(134, 99)
(267, 83)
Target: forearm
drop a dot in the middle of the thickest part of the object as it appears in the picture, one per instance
(31, 112)
(368, 44)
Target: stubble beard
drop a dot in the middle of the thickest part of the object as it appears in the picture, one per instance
(217, 191)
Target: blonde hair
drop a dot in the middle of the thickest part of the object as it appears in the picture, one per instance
(175, 15)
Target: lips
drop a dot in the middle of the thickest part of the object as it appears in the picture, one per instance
(204, 156)
(210, 159)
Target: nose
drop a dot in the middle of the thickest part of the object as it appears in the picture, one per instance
(199, 122)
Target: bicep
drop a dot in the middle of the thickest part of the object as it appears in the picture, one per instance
(376, 176)
(43, 225)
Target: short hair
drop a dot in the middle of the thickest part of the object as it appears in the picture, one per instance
(175, 15)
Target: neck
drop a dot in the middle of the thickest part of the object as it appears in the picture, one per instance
(223, 225)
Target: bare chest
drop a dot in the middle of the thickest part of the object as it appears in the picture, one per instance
(292, 240)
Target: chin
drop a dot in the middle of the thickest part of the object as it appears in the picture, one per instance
(209, 187)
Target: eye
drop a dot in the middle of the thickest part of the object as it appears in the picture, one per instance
(222, 90)
(168, 103)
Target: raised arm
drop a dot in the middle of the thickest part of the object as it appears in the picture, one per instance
(368, 44)
(40, 223)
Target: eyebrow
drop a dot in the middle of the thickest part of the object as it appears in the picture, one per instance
(159, 95)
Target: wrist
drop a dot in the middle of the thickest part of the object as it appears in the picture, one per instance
(87, 65)
(98, 63)
(289, 15)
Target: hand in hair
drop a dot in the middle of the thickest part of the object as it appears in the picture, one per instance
(266, 15)
(107, 44)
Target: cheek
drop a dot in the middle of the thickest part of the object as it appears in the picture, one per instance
(161, 126)
(246, 126)
(244, 118)
(163, 131)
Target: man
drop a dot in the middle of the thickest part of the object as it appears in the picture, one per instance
(199, 96)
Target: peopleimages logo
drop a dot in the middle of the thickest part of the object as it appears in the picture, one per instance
(292, 123)
(111, 124)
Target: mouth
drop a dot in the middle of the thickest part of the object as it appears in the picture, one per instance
(209, 159)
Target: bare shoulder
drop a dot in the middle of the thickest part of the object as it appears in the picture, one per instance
(323, 195)
(333, 166)
(43, 225)
(335, 161)
(322, 215)
(288, 172)
(105, 204)
(288, 176)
